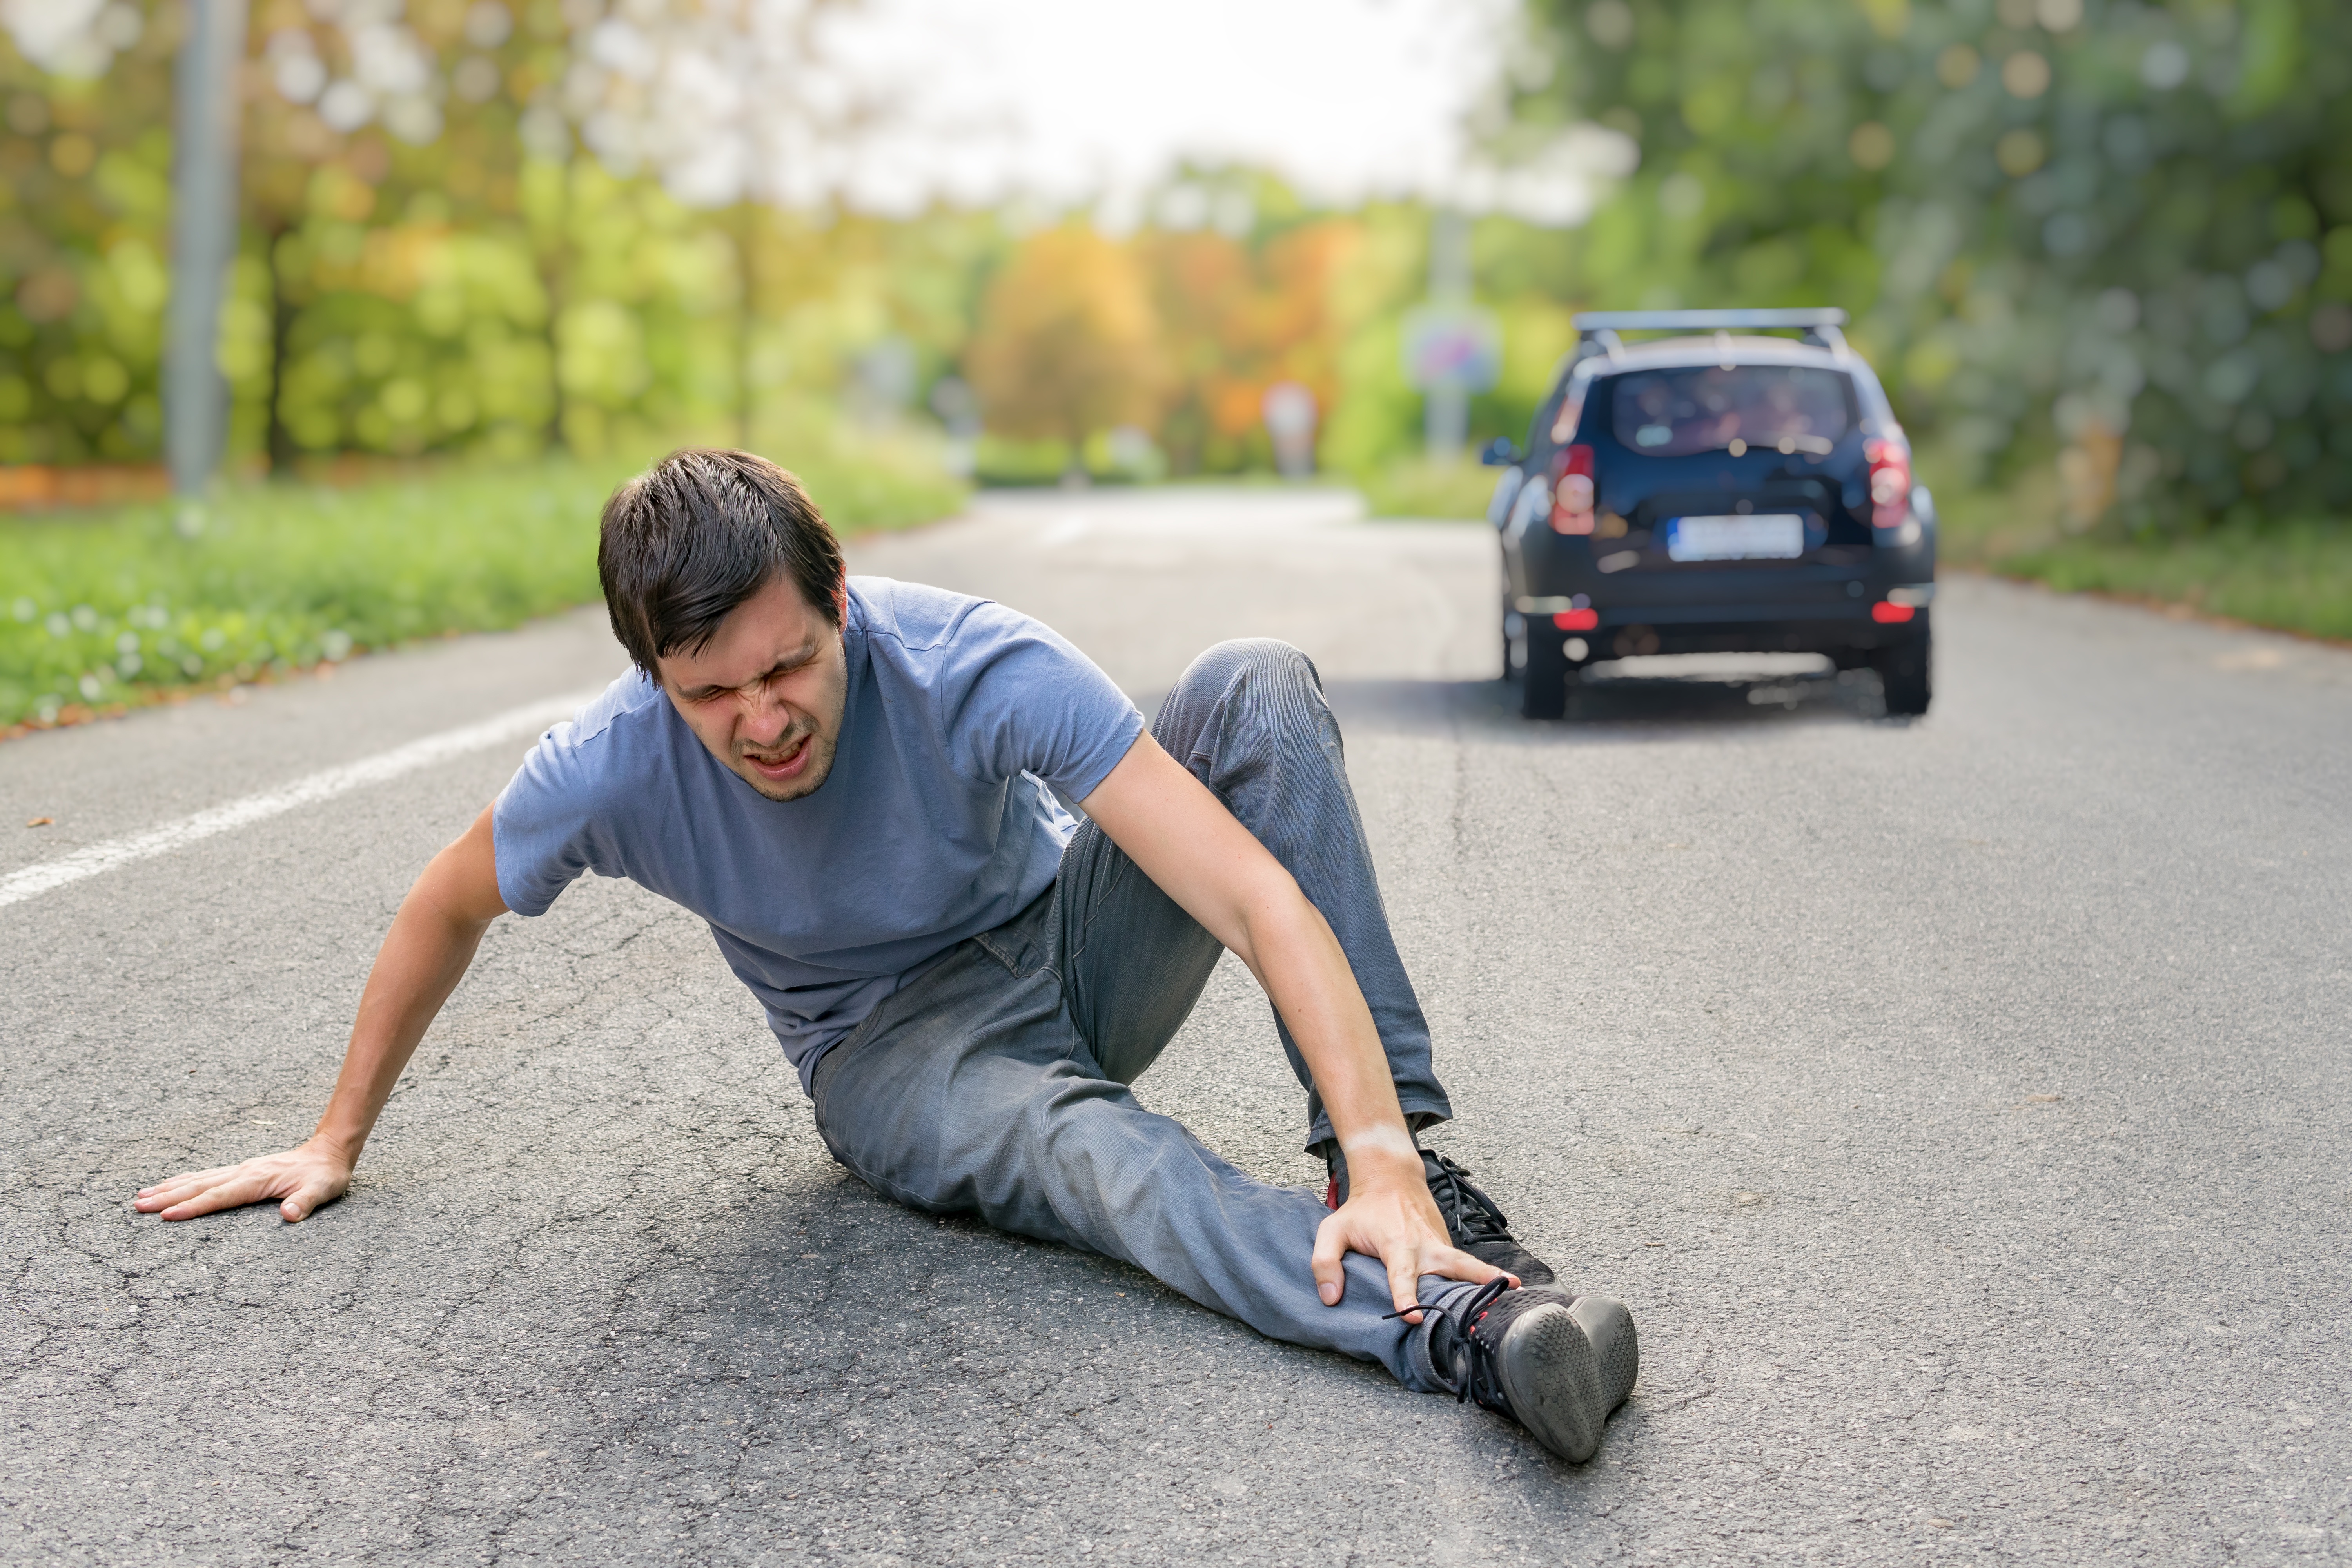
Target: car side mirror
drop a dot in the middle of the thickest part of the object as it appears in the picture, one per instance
(1500, 453)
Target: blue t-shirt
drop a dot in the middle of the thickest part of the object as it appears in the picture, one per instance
(934, 825)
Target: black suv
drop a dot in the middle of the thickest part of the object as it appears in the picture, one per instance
(1716, 491)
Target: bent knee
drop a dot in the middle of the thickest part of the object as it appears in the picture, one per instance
(1259, 665)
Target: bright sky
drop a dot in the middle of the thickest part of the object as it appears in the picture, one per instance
(1066, 98)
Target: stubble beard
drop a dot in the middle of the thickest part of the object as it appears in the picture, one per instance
(813, 775)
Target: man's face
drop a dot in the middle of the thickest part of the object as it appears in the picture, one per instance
(766, 693)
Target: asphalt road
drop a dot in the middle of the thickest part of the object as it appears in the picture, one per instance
(1961, 1105)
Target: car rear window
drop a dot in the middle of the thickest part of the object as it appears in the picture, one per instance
(1705, 408)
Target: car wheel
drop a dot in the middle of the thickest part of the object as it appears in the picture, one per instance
(1544, 691)
(1513, 651)
(1904, 671)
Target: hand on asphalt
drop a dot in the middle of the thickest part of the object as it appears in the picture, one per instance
(1391, 1217)
(301, 1179)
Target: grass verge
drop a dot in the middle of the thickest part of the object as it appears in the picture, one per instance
(2292, 577)
(1417, 488)
(106, 611)
(2295, 577)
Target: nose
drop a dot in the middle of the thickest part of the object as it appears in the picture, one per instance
(765, 716)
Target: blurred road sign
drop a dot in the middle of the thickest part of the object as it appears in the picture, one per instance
(1452, 348)
(1289, 411)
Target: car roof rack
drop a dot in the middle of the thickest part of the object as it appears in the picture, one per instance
(1597, 330)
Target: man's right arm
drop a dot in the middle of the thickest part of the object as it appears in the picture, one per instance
(432, 940)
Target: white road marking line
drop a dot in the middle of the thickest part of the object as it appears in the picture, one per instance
(325, 784)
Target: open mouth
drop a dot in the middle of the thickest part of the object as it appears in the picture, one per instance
(784, 765)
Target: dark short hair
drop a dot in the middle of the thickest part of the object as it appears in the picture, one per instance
(685, 542)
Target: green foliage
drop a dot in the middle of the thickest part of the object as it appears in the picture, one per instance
(1002, 460)
(1527, 276)
(114, 609)
(2117, 234)
(2100, 250)
(84, 209)
(477, 284)
(465, 284)
(865, 482)
(2295, 574)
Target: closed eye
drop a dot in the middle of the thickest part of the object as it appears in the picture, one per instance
(777, 671)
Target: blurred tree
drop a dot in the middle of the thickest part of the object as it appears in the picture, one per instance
(85, 197)
(2114, 234)
(1068, 341)
(431, 262)
(1202, 282)
(1237, 320)
(358, 124)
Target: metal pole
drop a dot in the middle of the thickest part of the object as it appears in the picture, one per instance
(204, 239)
(1445, 413)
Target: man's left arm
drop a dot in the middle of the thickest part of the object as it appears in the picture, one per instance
(1184, 839)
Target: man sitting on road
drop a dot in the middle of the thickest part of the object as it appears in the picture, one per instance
(967, 979)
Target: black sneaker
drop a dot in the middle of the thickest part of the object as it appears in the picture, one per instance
(1472, 1221)
(1555, 1363)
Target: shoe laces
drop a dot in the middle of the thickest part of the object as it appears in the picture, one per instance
(1474, 1373)
(1469, 1213)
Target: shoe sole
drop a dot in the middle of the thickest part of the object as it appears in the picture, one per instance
(1562, 1380)
(1609, 1324)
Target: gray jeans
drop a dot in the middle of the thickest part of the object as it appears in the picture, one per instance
(994, 1083)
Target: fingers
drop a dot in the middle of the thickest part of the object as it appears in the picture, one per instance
(176, 1191)
(1404, 1283)
(235, 1193)
(1455, 1263)
(1330, 1270)
(187, 1180)
(1402, 1256)
(308, 1199)
(300, 1185)
(1405, 1249)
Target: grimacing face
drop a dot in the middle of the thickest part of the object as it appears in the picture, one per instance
(765, 695)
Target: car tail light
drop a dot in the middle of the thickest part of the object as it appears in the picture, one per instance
(1576, 620)
(1890, 482)
(1888, 615)
(1571, 490)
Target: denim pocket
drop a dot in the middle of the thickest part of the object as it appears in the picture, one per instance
(1019, 944)
(1012, 948)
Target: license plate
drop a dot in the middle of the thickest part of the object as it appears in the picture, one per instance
(1764, 535)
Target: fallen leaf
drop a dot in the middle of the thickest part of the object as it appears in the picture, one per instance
(42, 821)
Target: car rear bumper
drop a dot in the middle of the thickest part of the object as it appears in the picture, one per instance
(1886, 615)
(1622, 635)
(1841, 601)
